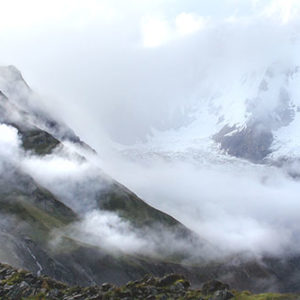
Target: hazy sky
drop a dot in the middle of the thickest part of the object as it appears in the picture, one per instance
(116, 67)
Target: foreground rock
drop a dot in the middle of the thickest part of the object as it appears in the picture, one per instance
(20, 284)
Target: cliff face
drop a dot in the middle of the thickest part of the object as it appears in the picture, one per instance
(266, 116)
(252, 142)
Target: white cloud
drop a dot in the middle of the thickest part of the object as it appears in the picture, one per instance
(18, 15)
(236, 206)
(285, 10)
(75, 182)
(107, 230)
(155, 32)
(9, 143)
(187, 23)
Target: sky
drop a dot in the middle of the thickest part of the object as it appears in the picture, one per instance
(114, 70)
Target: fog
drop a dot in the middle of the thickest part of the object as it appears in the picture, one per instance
(236, 206)
(115, 71)
(147, 83)
(9, 143)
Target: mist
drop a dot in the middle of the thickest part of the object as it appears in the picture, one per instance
(147, 86)
(236, 206)
(126, 69)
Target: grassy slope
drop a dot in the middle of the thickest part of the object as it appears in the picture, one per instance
(116, 197)
(264, 296)
(119, 199)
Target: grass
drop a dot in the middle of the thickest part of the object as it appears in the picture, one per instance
(265, 296)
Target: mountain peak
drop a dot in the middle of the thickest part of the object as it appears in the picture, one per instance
(10, 75)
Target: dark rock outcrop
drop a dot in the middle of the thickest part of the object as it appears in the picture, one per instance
(252, 142)
(17, 284)
(214, 286)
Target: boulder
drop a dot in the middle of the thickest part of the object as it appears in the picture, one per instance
(212, 286)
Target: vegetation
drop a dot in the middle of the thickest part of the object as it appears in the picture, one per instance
(38, 141)
(20, 284)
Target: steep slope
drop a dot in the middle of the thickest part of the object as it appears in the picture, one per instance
(24, 107)
(39, 214)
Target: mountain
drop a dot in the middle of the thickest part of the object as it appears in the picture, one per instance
(251, 114)
(264, 131)
(62, 216)
(32, 213)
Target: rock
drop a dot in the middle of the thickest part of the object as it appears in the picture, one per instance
(15, 286)
(169, 279)
(23, 285)
(150, 280)
(252, 142)
(214, 285)
(96, 297)
(54, 293)
(106, 287)
(222, 295)
(153, 291)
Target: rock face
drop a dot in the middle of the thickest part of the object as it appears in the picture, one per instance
(272, 108)
(252, 142)
(214, 286)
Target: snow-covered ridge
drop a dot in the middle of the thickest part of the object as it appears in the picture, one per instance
(260, 108)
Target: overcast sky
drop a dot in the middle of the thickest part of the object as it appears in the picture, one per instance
(114, 68)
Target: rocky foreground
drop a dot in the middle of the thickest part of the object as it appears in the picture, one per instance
(20, 284)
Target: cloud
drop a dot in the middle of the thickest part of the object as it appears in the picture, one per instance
(74, 181)
(235, 205)
(158, 31)
(155, 32)
(109, 232)
(73, 14)
(285, 10)
(121, 72)
(120, 88)
(9, 143)
(187, 23)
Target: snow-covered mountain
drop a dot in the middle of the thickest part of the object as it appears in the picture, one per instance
(255, 117)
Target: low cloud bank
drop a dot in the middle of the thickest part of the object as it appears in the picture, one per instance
(9, 143)
(237, 206)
